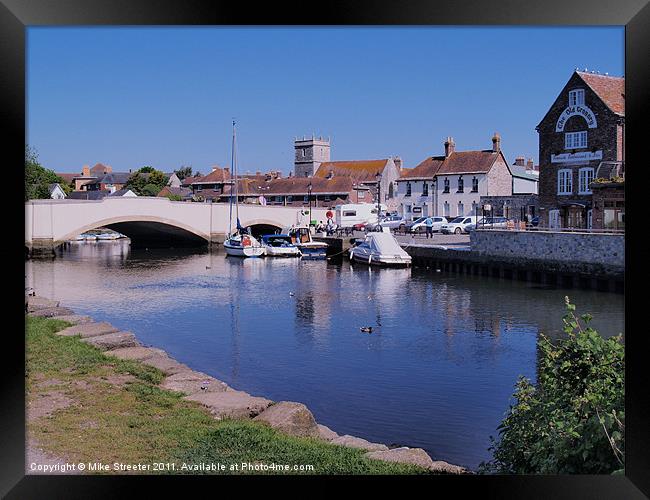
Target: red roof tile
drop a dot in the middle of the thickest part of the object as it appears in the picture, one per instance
(610, 89)
(461, 162)
(425, 170)
(216, 176)
(359, 170)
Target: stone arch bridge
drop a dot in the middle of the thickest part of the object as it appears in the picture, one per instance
(149, 221)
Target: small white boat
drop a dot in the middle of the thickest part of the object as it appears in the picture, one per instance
(107, 236)
(301, 237)
(243, 245)
(380, 249)
(279, 245)
(90, 237)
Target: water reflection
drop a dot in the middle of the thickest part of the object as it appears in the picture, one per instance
(436, 372)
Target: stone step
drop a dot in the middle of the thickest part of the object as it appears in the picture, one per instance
(36, 303)
(112, 340)
(291, 418)
(87, 330)
(75, 319)
(48, 312)
(233, 404)
(355, 442)
(416, 456)
(164, 363)
(139, 353)
(192, 382)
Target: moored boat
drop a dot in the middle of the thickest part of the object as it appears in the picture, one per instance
(380, 249)
(301, 237)
(243, 245)
(279, 245)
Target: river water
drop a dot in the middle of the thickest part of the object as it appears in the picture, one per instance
(437, 371)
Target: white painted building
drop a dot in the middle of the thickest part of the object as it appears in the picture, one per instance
(452, 185)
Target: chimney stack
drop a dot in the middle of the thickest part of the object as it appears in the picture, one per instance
(85, 171)
(519, 161)
(530, 165)
(496, 142)
(398, 162)
(450, 146)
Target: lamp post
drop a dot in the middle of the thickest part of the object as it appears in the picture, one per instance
(309, 191)
(378, 177)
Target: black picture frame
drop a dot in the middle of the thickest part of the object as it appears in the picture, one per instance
(16, 15)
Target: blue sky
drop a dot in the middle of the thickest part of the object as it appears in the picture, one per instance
(166, 96)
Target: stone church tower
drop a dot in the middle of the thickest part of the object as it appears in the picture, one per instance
(310, 153)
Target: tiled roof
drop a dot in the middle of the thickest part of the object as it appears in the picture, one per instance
(216, 176)
(293, 186)
(425, 170)
(115, 178)
(178, 191)
(360, 170)
(610, 89)
(471, 162)
(120, 192)
(100, 168)
(88, 195)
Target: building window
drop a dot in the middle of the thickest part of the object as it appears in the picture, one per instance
(574, 140)
(577, 97)
(461, 209)
(474, 208)
(614, 214)
(408, 189)
(474, 185)
(304, 153)
(362, 194)
(199, 187)
(289, 199)
(564, 181)
(585, 177)
(446, 209)
(446, 185)
(425, 189)
(461, 185)
(305, 199)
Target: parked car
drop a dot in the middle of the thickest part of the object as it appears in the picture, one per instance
(459, 224)
(535, 221)
(393, 221)
(493, 222)
(420, 224)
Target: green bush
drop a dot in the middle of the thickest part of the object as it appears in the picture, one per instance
(573, 420)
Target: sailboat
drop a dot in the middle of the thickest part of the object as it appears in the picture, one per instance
(240, 243)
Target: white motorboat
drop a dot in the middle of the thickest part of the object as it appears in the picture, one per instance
(279, 245)
(301, 237)
(90, 237)
(380, 249)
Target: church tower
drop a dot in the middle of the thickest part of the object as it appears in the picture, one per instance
(310, 153)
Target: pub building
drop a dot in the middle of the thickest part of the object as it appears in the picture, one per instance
(582, 133)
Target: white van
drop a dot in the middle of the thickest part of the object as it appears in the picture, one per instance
(356, 213)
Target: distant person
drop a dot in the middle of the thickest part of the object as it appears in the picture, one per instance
(429, 225)
(330, 227)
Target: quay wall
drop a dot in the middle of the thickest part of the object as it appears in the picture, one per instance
(603, 252)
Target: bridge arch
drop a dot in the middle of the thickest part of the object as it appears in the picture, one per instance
(147, 231)
(262, 226)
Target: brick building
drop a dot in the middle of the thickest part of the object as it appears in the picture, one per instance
(584, 128)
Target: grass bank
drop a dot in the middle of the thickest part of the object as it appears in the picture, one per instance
(90, 407)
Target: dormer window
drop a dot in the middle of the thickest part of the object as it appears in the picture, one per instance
(577, 97)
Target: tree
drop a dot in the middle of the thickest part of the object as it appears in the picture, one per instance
(183, 172)
(38, 178)
(147, 181)
(573, 420)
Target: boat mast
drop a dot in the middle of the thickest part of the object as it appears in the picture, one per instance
(234, 160)
(232, 171)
